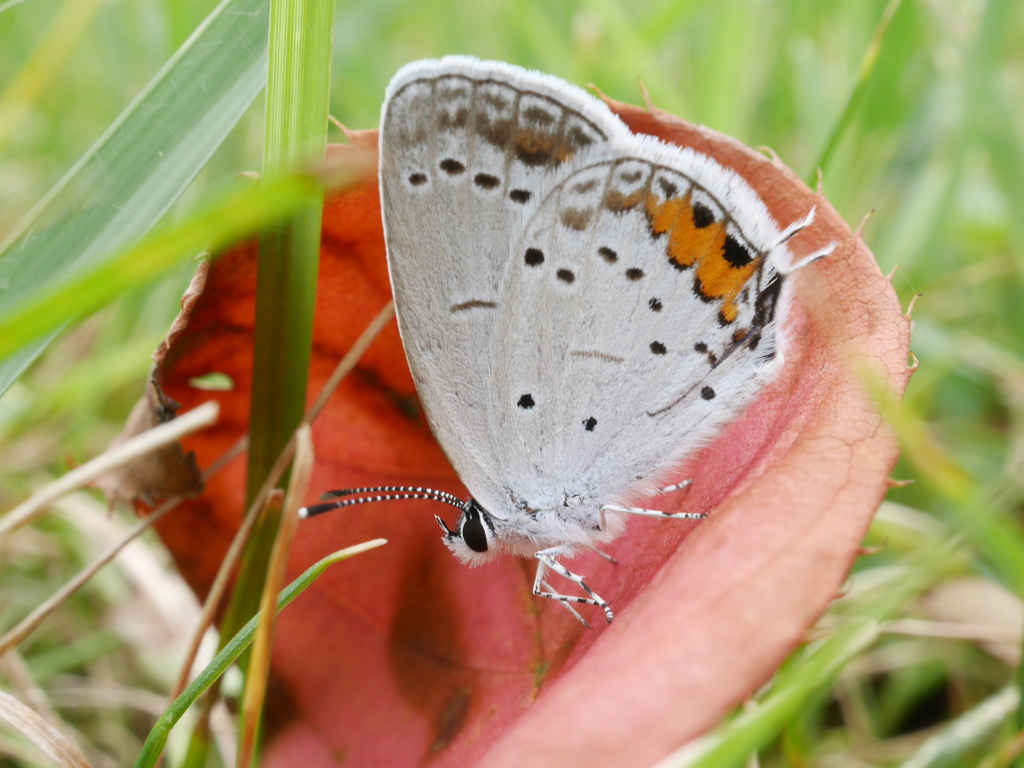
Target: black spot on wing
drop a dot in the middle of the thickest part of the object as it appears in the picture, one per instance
(702, 216)
(486, 181)
(472, 304)
(534, 257)
(452, 167)
(736, 253)
(766, 303)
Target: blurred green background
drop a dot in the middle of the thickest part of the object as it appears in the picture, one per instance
(932, 141)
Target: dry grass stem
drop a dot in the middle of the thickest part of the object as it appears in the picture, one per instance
(948, 630)
(29, 624)
(196, 419)
(42, 734)
(17, 749)
(89, 695)
(259, 659)
(348, 362)
(220, 582)
(952, 630)
(14, 668)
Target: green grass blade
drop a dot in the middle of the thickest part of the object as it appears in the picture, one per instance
(970, 730)
(129, 178)
(24, 89)
(298, 85)
(867, 67)
(733, 744)
(157, 738)
(812, 673)
(215, 225)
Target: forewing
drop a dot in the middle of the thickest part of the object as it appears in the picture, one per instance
(466, 146)
(639, 316)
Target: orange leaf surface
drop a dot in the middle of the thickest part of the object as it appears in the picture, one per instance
(403, 656)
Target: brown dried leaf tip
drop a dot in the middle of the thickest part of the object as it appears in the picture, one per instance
(169, 471)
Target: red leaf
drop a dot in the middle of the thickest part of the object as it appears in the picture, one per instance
(402, 655)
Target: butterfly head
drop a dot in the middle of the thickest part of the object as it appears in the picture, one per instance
(472, 540)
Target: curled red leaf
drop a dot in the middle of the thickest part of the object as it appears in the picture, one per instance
(402, 655)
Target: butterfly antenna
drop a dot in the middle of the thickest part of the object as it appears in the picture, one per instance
(792, 231)
(796, 228)
(381, 493)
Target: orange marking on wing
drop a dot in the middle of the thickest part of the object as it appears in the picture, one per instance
(720, 280)
(687, 244)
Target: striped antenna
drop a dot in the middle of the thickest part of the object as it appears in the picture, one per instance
(381, 493)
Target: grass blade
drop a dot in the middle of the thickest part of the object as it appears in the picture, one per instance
(971, 729)
(867, 67)
(298, 85)
(169, 432)
(259, 660)
(215, 225)
(122, 186)
(48, 739)
(810, 674)
(154, 745)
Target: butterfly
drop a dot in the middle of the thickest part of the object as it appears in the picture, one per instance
(582, 308)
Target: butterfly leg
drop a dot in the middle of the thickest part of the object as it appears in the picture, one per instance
(652, 512)
(677, 486)
(568, 607)
(546, 561)
(649, 513)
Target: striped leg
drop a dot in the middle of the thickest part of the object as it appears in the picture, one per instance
(654, 512)
(677, 486)
(568, 607)
(650, 513)
(546, 561)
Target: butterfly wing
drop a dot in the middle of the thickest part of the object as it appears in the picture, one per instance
(465, 148)
(638, 317)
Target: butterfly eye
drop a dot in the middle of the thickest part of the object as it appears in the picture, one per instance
(473, 531)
